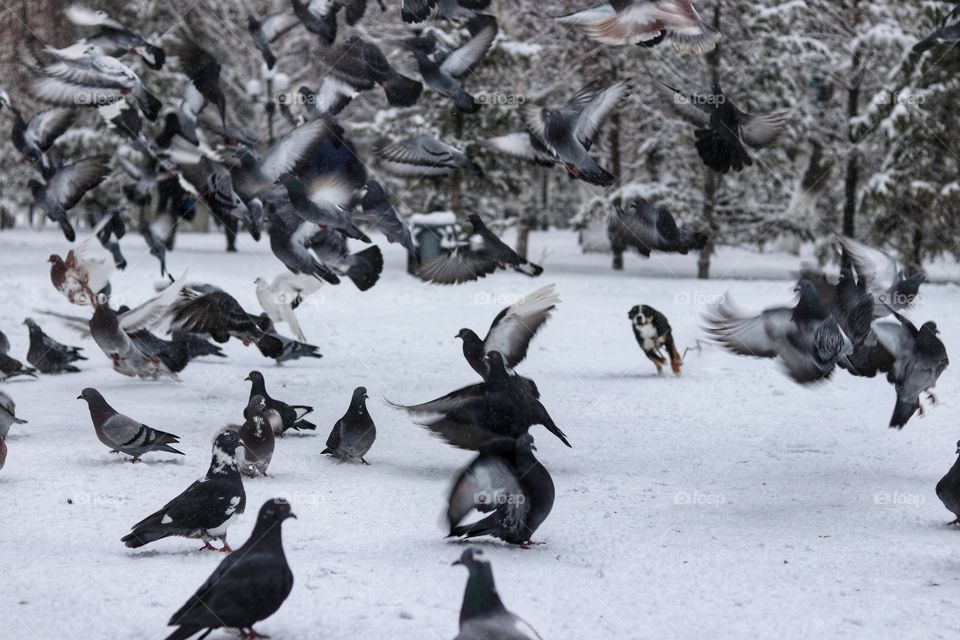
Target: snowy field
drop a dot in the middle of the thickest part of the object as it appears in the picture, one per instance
(727, 503)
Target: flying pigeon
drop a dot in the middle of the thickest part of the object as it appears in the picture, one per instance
(206, 509)
(85, 271)
(318, 17)
(48, 355)
(114, 37)
(646, 23)
(291, 349)
(444, 71)
(452, 10)
(212, 182)
(258, 438)
(267, 29)
(919, 359)
(424, 157)
(35, 138)
(321, 202)
(949, 31)
(482, 614)
(289, 234)
(354, 433)
(355, 66)
(652, 330)
(290, 414)
(110, 234)
(806, 338)
(362, 268)
(567, 132)
(850, 303)
(203, 70)
(508, 486)
(483, 254)
(723, 131)
(8, 414)
(248, 586)
(64, 189)
(123, 434)
(948, 489)
(381, 215)
(155, 245)
(649, 228)
(510, 332)
(880, 273)
(524, 146)
(280, 297)
(503, 406)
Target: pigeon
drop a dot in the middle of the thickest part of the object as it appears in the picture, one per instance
(8, 414)
(109, 236)
(248, 586)
(880, 273)
(291, 349)
(84, 273)
(289, 234)
(10, 367)
(258, 438)
(482, 614)
(290, 414)
(453, 10)
(353, 67)
(280, 298)
(424, 157)
(206, 509)
(212, 182)
(155, 245)
(649, 228)
(524, 146)
(381, 215)
(267, 29)
(114, 37)
(64, 189)
(508, 486)
(84, 75)
(567, 132)
(483, 254)
(646, 23)
(949, 31)
(723, 131)
(919, 359)
(443, 73)
(652, 330)
(123, 434)
(48, 355)
(35, 138)
(4, 343)
(806, 338)
(354, 433)
(173, 354)
(3, 451)
(209, 310)
(510, 332)
(362, 268)
(500, 407)
(849, 302)
(320, 203)
(318, 17)
(948, 489)
(203, 70)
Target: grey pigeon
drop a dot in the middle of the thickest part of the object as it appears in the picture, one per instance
(8, 414)
(213, 183)
(289, 233)
(258, 437)
(482, 615)
(443, 70)
(10, 367)
(948, 489)
(919, 359)
(567, 132)
(806, 338)
(248, 586)
(646, 23)
(291, 415)
(354, 433)
(203, 69)
(363, 268)
(318, 17)
(501, 406)
(949, 31)
(482, 254)
(206, 509)
(123, 434)
(648, 228)
(64, 189)
(267, 29)
(880, 273)
(509, 486)
(424, 157)
(48, 355)
(108, 331)
(114, 37)
(321, 202)
(381, 215)
(34, 139)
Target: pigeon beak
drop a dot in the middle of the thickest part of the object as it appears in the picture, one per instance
(533, 447)
(293, 515)
(455, 563)
(247, 379)
(79, 397)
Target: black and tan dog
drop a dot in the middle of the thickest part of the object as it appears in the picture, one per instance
(653, 331)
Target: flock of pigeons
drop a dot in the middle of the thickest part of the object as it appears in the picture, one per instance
(310, 193)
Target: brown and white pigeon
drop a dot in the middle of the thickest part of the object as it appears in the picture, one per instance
(258, 438)
(122, 434)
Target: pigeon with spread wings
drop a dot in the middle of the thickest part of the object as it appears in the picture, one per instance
(648, 228)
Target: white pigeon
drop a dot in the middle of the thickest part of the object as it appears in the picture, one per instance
(280, 297)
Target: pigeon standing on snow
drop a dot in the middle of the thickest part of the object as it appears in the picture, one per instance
(258, 438)
(806, 338)
(248, 586)
(649, 228)
(949, 31)
(652, 331)
(66, 187)
(48, 355)
(10, 367)
(507, 482)
(8, 414)
(290, 414)
(482, 615)
(724, 132)
(482, 254)
(948, 489)
(206, 509)
(123, 434)
(84, 273)
(354, 433)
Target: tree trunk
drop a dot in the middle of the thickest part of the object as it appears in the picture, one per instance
(711, 182)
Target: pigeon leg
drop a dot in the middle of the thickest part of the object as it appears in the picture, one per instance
(251, 633)
(364, 461)
(225, 549)
(920, 409)
(135, 459)
(207, 546)
(932, 398)
(955, 521)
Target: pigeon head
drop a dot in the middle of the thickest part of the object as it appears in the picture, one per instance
(91, 395)
(525, 443)
(275, 511)
(908, 288)
(927, 340)
(31, 324)
(257, 404)
(375, 192)
(254, 376)
(227, 442)
(285, 179)
(809, 304)
(472, 557)
(466, 334)
(360, 394)
(55, 259)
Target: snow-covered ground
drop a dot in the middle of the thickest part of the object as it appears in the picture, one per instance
(726, 503)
